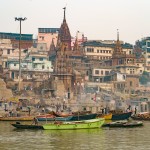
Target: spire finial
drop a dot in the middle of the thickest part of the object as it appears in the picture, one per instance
(117, 34)
(64, 13)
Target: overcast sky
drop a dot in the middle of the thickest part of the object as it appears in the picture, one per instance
(97, 19)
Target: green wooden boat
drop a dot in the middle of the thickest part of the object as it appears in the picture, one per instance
(73, 125)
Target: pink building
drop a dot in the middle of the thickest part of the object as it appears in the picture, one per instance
(45, 36)
(79, 37)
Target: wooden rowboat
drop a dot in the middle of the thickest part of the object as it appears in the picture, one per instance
(83, 117)
(74, 125)
(121, 116)
(24, 118)
(18, 125)
(141, 116)
(106, 116)
(68, 118)
(54, 118)
(123, 124)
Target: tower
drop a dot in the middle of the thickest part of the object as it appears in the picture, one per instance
(62, 68)
(118, 55)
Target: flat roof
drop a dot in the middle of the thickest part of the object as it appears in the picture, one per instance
(48, 30)
(16, 36)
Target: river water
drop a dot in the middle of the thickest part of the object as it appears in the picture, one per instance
(93, 139)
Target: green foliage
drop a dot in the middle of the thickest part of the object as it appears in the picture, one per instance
(144, 79)
(145, 73)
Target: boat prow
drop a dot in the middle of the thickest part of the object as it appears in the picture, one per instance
(18, 125)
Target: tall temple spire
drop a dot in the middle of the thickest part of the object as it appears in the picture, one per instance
(117, 35)
(118, 48)
(64, 32)
(64, 13)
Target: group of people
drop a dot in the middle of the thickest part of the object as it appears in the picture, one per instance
(105, 110)
(130, 109)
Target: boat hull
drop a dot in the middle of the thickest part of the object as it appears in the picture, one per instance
(16, 119)
(122, 124)
(74, 125)
(27, 126)
(54, 119)
(122, 116)
(106, 116)
(83, 117)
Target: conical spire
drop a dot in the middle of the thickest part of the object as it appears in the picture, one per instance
(64, 33)
(118, 49)
(52, 48)
(64, 14)
(117, 35)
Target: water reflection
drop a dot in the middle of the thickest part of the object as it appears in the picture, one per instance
(73, 139)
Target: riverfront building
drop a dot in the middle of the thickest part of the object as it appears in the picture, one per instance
(26, 39)
(46, 36)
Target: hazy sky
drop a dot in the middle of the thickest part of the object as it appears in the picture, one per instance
(97, 19)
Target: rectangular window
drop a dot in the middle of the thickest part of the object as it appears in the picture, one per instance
(33, 59)
(130, 83)
(106, 72)
(41, 59)
(96, 71)
(148, 50)
(101, 80)
(148, 44)
(8, 51)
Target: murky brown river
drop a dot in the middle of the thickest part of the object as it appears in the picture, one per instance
(93, 139)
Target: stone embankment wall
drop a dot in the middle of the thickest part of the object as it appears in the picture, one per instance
(4, 92)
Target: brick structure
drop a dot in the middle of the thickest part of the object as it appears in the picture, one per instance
(62, 67)
(125, 64)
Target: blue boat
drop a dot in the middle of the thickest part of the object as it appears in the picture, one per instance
(55, 118)
(83, 117)
(121, 116)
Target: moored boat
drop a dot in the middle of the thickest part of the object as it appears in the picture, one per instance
(54, 118)
(141, 116)
(124, 124)
(74, 125)
(106, 116)
(18, 125)
(121, 116)
(83, 117)
(68, 118)
(23, 118)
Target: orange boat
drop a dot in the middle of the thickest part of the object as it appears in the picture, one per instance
(23, 118)
(106, 116)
